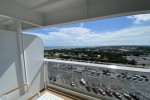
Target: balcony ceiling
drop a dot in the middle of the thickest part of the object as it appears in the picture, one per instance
(54, 12)
(46, 6)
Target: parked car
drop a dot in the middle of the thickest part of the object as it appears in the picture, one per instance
(118, 75)
(129, 77)
(127, 96)
(101, 91)
(146, 80)
(82, 82)
(54, 78)
(124, 76)
(88, 88)
(143, 76)
(134, 78)
(117, 95)
(72, 84)
(134, 96)
(109, 93)
(95, 90)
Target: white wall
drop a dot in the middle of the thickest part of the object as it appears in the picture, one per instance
(11, 75)
(34, 60)
(10, 66)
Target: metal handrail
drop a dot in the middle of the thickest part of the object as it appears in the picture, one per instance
(14, 89)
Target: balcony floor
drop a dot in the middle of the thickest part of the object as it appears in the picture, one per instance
(57, 93)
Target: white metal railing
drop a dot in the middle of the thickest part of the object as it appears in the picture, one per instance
(108, 82)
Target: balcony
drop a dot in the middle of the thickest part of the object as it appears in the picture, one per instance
(72, 80)
(106, 82)
(25, 75)
(65, 79)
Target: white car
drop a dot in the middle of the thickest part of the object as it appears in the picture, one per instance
(72, 84)
(83, 82)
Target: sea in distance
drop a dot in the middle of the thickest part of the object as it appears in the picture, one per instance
(62, 47)
(71, 47)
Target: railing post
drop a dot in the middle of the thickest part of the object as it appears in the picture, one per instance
(21, 49)
(45, 74)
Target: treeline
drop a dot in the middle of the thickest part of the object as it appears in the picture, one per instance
(91, 54)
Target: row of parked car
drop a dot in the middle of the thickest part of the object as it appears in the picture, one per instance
(107, 92)
(133, 77)
(105, 72)
(68, 67)
(101, 89)
(122, 75)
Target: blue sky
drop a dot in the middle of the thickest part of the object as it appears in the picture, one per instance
(126, 30)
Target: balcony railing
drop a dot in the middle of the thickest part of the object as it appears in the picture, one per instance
(87, 81)
(107, 82)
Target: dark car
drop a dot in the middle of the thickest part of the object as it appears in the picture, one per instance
(54, 78)
(134, 96)
(124, 76)
(129, 77)
(122, 73)
(119, 75)
(88, 88)
(146, 80)
(140, 79)
(143, 76)
(105, 72)
(95, 90)
(109, 93)
(50, 78)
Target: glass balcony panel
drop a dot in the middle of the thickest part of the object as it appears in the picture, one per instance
(108, 82)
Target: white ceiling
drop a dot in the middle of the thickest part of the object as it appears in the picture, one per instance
(44, 6)
(30, 3)
(59, 5)
(56, 12)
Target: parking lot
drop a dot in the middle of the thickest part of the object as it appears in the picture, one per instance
(100, 82)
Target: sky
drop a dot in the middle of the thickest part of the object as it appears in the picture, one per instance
(125, 30)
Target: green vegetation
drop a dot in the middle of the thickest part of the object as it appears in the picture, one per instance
(110, 54)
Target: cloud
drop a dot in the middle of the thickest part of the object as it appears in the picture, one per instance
(140, 18)
(81, 36)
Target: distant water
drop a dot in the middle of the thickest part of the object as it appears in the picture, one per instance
(61, 47)
(70, 47)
